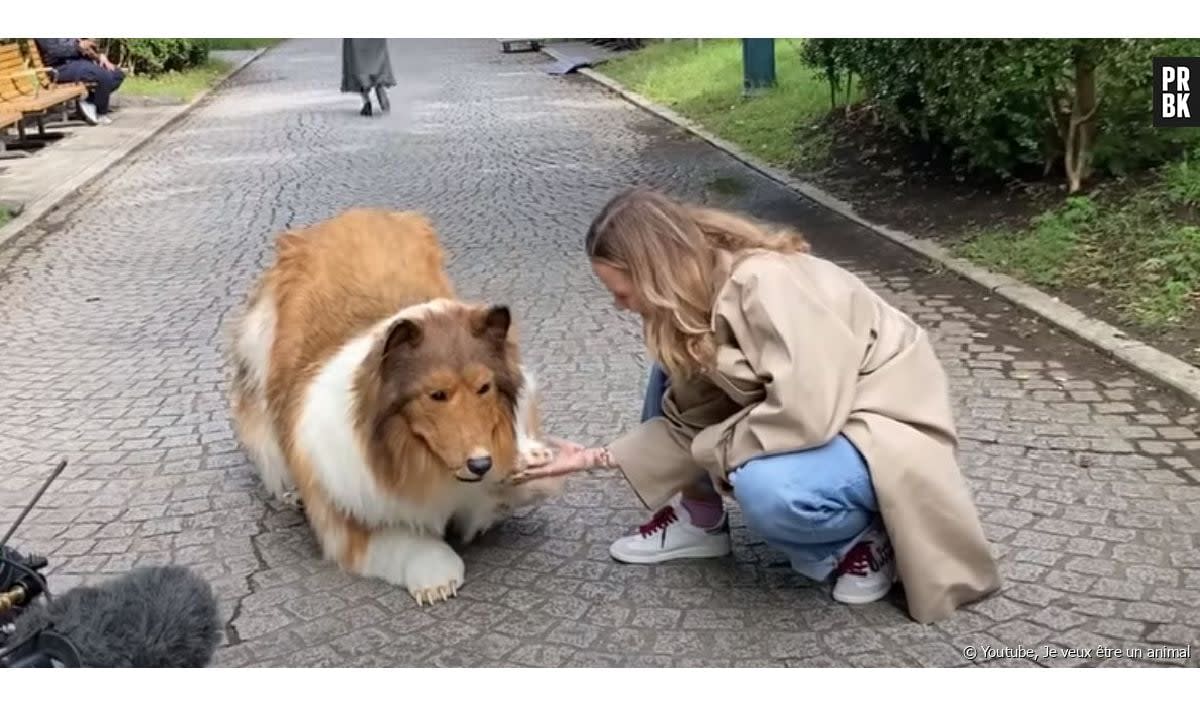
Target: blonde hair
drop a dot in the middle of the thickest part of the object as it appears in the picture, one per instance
(668, 249)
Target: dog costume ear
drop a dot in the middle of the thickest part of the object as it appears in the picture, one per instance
(404, 333)
(492, 323)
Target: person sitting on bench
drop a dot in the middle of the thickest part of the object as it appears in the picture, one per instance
(80, 61)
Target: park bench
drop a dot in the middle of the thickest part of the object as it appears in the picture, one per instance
(506, 45)
(7, 120)
(34, 55)
(28, 89)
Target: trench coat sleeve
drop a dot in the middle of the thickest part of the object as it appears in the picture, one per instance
(656, 460)
(805, 356)
(656, 457)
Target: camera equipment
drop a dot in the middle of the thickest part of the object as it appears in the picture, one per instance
(21, 584)
(153, 616)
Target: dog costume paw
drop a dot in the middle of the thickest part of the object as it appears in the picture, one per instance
(435, 575)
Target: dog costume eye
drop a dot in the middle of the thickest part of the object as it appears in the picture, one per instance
(485, 389)
(438, 396)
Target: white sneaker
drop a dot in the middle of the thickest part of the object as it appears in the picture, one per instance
(670, 535)
(867, 571)
(87, 111)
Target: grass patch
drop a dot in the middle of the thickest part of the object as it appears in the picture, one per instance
(5, 216)
(239, 44)
(1139, 252)
(703, 81)
(178, 85)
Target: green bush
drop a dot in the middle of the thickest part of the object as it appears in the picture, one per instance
(1004, 107)
(152, 57)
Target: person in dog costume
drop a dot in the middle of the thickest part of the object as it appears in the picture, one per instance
(787, 385)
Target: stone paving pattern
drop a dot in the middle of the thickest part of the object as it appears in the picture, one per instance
(110, 327)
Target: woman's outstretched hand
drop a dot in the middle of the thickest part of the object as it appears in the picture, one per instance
(568, 458)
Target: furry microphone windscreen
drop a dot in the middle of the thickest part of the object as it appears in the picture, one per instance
(151, 617)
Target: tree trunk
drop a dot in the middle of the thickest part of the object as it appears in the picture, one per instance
(831, 76)
(1081, 129)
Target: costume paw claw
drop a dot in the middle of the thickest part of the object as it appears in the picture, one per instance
(428, 596)
(435, 575)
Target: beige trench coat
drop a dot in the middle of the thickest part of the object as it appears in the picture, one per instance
(806, 350)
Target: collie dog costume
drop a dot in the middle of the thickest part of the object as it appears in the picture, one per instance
(394, 410)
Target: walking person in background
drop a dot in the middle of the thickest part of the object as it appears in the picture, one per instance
(366, 65)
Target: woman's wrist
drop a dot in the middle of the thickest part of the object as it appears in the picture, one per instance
(606, 458)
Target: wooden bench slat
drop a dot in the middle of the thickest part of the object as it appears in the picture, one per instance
(26, 85)
(33, 104)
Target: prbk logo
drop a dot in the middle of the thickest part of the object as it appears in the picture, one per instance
(1173, 80)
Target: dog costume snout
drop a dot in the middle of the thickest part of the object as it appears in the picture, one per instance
(480, 465)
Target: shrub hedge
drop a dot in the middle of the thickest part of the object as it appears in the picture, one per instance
(155, 56)
(1003, 107)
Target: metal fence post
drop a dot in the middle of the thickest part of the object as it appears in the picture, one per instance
(758, 65)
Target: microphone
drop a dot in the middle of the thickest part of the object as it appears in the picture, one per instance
(151, 617)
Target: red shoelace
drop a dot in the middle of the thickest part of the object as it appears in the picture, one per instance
(661, 518)
(859, 560)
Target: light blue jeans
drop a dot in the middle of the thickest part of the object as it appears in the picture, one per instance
(813, 505)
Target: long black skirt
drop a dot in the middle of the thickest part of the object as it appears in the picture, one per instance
(365, 64)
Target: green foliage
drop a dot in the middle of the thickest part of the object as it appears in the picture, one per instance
(152, 57)
(998, 107)
(1128, 140)
(838, 59)
(179, 86)
(1182, 182)
(1039, 255)
(1137, 254)
(703, 81)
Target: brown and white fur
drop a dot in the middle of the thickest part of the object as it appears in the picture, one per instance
(393, 409)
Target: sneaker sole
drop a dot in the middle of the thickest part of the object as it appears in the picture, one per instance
(675, 554)
(865, 598)
(862, 599)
